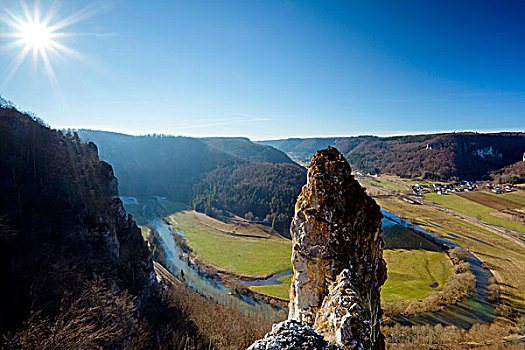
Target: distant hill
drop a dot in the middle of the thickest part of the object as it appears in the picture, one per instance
(215, 175)
(300, 149)
(154, 164)
(469, 156)
(514, 173)
(245, 149)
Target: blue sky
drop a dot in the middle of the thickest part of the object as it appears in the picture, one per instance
(275, 69)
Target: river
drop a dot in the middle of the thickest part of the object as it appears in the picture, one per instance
(177, 263)
(469, 311)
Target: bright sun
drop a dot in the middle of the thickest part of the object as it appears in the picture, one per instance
(36, 36)
(30, 32)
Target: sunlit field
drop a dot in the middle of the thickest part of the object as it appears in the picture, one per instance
(505, 258)
(464, 204)
(219, 244)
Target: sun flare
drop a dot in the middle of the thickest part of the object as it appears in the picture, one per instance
(30, 32)
(36, 36)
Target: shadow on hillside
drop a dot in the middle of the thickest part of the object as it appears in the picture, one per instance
(399, 237)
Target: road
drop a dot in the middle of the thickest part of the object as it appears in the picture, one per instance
(164, 274)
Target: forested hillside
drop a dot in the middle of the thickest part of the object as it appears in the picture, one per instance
(470, 156)
(258, 191)
(76, 272)
(514, 173)
(215, 175)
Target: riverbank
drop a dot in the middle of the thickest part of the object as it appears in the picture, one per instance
(499, 250)
(230, 289)
(502, 256)
(430, 266)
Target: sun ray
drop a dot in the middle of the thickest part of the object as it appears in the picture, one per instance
(50, 71)
(81, 15)
(11, 46)
(16, 63)
(59, 49)
(51, 13)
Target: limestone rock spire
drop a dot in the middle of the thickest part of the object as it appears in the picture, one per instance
(337, 255)
(337, 258)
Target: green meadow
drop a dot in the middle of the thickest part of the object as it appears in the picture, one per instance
(410, 272)
(212, 243)
(473, 209)
(277, 290)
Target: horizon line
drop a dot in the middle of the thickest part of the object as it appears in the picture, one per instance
(377, 134)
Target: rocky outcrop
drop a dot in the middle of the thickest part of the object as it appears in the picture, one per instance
(337, 257)
(62, 201)
(292, 335)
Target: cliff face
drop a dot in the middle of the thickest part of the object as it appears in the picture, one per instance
(337, 256)
(65, 240)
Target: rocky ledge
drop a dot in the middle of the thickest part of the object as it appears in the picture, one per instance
(292, 334)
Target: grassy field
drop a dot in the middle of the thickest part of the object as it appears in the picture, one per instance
(237, 226)
(517, 197)
(222, 246)
(411, 272)
(491, 200)
(388, 185)
(505, 258)
(473, 209)
(258, 252)
(373, 190)
(278, 290)
(411, 182)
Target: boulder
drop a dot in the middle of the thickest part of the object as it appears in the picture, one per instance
(292, 334)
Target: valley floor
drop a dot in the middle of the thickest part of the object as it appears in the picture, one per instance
(238, 247)
(503, 255)
(242, 250)
(252, 251)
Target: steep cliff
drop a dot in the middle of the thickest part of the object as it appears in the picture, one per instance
(76, 272)
(337, 257)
